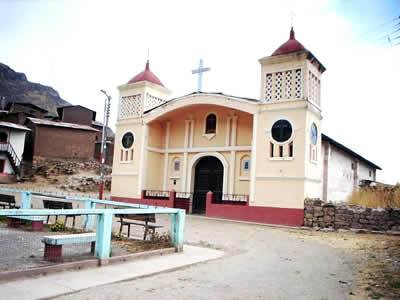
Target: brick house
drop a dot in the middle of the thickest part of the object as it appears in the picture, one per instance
(51, 139)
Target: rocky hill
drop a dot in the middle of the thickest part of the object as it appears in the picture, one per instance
(15, 87)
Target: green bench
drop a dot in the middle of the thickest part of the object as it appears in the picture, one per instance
(53, 244)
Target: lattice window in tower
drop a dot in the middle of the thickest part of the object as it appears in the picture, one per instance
(298, 83)
(315, 89)
(319, 92)
(310, 86)
(288, 85)
(278, 85)
(152, 101)
(130, 106)
(268, 87)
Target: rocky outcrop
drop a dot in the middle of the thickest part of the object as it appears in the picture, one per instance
(15, 87)
(341, 216)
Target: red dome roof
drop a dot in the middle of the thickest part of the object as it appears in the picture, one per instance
(292, 45)
(146, 75)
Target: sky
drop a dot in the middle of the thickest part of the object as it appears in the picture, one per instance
(79, 47)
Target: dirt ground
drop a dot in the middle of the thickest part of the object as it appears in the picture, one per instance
(271, 263)
(378, 276)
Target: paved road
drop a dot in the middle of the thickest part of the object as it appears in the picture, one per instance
(261, 263)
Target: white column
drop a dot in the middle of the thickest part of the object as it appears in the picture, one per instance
(143, 160)
(185, 155)
(233, 131)
(253, 162)
(232, 167)
(166, 156)
(228, 131)
(191, 133)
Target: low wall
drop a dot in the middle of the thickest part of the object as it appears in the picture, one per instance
(340, 216)
(258, 214)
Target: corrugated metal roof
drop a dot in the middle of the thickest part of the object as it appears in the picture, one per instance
(349, 151)
(13, 125)
(61, 124)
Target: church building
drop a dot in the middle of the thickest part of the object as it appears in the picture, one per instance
(260, 158)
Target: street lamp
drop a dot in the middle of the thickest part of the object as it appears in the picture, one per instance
(107, 104)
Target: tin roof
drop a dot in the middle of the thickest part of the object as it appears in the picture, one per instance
(61, 124)
(349, 151)
(14, 126)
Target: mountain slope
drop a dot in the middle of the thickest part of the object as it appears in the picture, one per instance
(15, 87)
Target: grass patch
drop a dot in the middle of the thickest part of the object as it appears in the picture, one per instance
(377, 196)
(3, 219)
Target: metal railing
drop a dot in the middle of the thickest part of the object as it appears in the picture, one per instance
(10, 150)
(236, 199)
(183, 195)
(154, 194)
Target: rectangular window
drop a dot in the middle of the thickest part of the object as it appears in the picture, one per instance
(246, 165)
(126, 155)
(122, 155)
(291, 149)
(132, 154)
(280, 151)
(177, 166)
(271, 150)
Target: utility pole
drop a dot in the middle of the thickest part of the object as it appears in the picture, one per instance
(107, 104)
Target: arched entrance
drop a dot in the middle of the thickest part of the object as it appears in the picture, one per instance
(209, 176)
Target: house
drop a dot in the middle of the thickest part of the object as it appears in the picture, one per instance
(50, 139)
(12, 142)
(76, 114)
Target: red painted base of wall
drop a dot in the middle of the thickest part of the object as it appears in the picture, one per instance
(153, 202)
(258, 214)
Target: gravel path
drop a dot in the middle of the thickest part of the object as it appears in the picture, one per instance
(261, 263)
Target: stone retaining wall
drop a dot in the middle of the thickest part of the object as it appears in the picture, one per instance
(341, 216)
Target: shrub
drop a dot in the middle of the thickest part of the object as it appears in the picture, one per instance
(57, 226)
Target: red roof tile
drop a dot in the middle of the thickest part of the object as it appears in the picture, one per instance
(146, 75)
(292, 45)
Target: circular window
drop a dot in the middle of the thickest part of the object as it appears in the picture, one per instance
(127, 140)
(314, 134)
(281, 131)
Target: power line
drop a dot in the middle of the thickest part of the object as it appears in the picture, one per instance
(380, 26)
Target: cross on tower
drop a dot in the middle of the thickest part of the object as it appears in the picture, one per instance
(200, 71)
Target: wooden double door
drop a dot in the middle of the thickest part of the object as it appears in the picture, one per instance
(209, 175)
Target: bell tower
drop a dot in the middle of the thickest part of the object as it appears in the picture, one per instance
(288, 160)
(291, 73)
(139, 95)
(142, 93)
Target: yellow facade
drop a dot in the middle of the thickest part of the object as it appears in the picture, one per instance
(171, 138)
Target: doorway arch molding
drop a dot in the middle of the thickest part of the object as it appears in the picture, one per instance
(196, 159)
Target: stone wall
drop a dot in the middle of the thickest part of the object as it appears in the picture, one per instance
(341, 216)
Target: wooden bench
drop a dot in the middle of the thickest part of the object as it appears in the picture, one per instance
(15, 221)
(53, 244)
(7, 201)
(125, 220)
(51, 204)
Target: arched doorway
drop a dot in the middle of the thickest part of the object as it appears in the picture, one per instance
(209, 176)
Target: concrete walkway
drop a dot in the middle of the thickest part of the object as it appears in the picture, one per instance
(69, 282)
